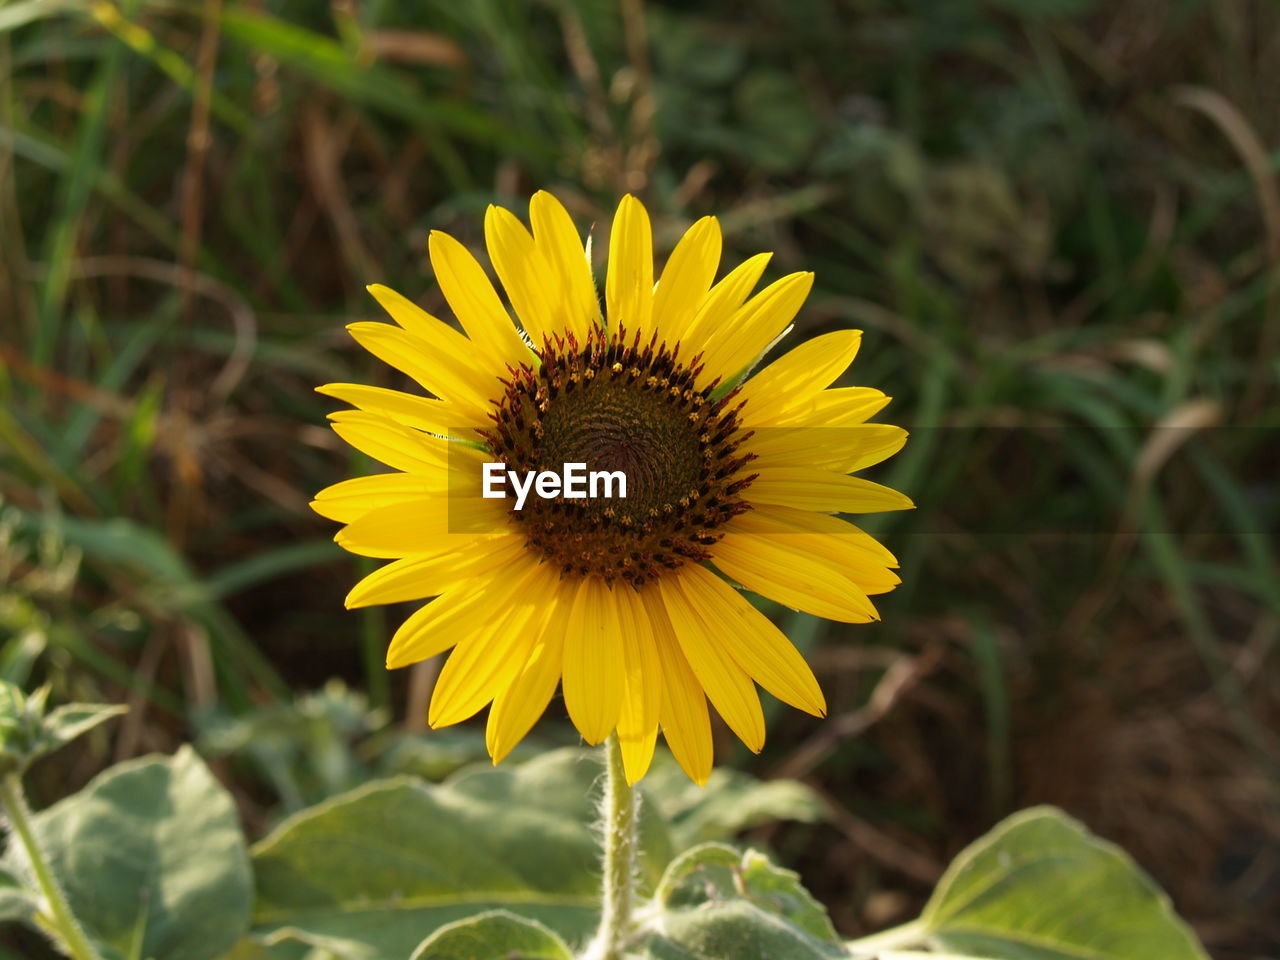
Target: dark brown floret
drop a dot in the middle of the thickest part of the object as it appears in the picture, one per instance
(619, 406)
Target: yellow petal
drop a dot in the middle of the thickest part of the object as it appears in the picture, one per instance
(722, 302)
(686, 278)
(629, 282)
(728, 687)
(593, 661)
(759, 647)
(757, 323)
(442, 337)
(557, 238)
(773, 519)
(840, 449)
(424, 526)
(441, 346)
(642, 685)
(485, 664)
(844, 548)
(683, 714)
(351, 499)
(397, 446)
(463, 381)
(792, 578)
(421, 413)
(522, 270)
(811, 489)
(798, 376)
(474, 302)
(517, 708)
(838, 407)
(413, 578)
(446, 467)
(450, 618)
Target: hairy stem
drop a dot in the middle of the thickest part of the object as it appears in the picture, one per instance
(60, 916)
(620, 843)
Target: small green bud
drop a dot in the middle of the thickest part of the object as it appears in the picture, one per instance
(27, 732)
(21, 725)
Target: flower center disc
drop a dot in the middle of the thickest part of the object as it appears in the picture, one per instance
(619, 407)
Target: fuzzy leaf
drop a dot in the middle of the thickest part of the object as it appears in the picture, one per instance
(496, 935)
(15, 902)
(28, 732)
(720, 903)
(366, 875)
(730, 803)
(1041, 887)
(152, 859)
(67, 722)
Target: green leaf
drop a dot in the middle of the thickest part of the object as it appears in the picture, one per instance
(436, 754)
(567, 783)
(302, 746)
(21, 725)
(715, 872)
(736, 929)
(368, 874)
(67, 722)
(719, 903)
(27, 732)
(15, 902)
(253, 948)
(496, 935)
(1041, 887)
(20, 14)
(730, 803)
(152, 859)
(324, 60)
(170, 583)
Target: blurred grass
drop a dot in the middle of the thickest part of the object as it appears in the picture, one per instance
(1056, 220)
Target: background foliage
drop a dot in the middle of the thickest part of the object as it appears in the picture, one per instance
(1057, 220)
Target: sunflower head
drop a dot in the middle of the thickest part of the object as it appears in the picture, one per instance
(638, 411)
(628, 604)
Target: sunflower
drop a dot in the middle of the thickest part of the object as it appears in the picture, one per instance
(631, 605)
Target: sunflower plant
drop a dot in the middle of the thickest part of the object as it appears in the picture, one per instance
(738, 470)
